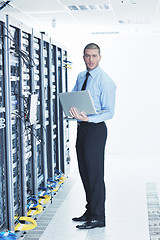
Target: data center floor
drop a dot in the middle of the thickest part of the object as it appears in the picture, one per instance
(126, 178)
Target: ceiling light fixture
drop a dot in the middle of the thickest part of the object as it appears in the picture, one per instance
(89, 7)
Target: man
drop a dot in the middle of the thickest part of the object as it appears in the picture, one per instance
(92, 135)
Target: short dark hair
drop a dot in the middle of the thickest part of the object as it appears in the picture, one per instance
(92, 46)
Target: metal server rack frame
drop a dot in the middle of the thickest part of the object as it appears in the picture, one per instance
(3, 206)
(43, 116)
(60, 157)
(63, 125)
(67, 159)
(37, 144)
(52, 123)
(56, 109)
(8, 143)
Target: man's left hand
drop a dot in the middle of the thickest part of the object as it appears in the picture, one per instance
(79, 116)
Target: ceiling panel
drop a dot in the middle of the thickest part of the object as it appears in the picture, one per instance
(64, 17)
(102, 18)
(38, 5)
(138, 11)
(90, 13)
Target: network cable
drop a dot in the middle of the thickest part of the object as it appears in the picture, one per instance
(8, 235)
(25, 119)
(22, 54)
(32, 202)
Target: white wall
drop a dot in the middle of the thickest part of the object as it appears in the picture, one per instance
(133, 62)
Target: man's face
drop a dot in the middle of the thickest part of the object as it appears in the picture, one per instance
(91, 58)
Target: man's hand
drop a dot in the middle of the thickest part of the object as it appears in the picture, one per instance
(80, 116)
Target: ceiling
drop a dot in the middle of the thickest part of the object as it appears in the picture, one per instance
(98, 16)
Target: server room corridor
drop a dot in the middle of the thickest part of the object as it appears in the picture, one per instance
(41, 54)
(127, 177)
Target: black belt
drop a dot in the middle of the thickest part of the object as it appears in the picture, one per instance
(87, 123)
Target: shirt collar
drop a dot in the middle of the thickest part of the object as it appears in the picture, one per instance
(94, 71)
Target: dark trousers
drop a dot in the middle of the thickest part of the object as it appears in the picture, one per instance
(90, 145)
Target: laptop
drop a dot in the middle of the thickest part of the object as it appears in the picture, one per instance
(81, 100)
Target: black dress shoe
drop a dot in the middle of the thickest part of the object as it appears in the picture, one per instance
(83, 218)
(91, 224)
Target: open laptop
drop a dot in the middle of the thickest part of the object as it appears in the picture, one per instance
(81, 100)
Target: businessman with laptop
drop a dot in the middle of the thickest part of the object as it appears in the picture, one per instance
(92, 135)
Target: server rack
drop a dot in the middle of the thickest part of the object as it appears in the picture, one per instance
(59, 89)
(30, 152)
(63, 127)
(67, 159)
(2, 134)
(14, 66)
(44, 95)
(51, 131)
(20, 79)
(55, 107)
(38, 164)
(27, 136)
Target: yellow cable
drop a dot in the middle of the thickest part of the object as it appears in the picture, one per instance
(45, 199)
(35, 210)
(25, 226)
(68, 66)
(63, 178)
(55, 189)
(60, 182)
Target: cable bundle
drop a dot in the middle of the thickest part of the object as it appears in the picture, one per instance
(67, 64)
(52, 185)
(25, 223)
(8, 235)
(22, 54)
(32, 202)
(59, 177)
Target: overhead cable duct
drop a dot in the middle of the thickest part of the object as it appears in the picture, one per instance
(4, 4)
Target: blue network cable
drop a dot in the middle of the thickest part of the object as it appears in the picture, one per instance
(8, 235)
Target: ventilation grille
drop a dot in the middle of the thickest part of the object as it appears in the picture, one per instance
(101, 33)
(88, 7)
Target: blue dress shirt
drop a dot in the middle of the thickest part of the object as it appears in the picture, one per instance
(102, 89)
